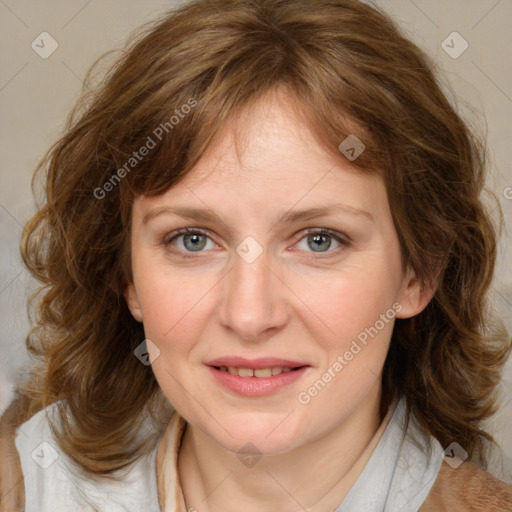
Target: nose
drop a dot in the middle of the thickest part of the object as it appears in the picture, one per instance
(254, 304)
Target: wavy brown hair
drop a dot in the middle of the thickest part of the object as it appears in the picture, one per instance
(349, 70)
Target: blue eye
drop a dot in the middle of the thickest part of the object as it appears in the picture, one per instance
(320, 240)
(194, 240)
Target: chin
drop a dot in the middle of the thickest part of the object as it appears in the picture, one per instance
(269, 438)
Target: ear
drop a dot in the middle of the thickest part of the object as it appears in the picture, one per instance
(130, 295)
(412, 297)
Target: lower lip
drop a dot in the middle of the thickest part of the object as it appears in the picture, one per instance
(257, 386)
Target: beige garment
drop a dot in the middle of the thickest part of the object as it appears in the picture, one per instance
(467, 488)
(170, 495)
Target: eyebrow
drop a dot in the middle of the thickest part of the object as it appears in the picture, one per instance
(288, 217)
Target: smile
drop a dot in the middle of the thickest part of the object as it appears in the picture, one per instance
(254, 382)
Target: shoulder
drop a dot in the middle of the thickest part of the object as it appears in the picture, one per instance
(21, 434)
(36, 475)
(12, 488)
(467, 488)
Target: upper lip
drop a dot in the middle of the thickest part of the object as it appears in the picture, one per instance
(261, 362)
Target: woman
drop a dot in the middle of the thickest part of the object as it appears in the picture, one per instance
(328, 346)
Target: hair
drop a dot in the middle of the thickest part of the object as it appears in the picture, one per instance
(349, 71)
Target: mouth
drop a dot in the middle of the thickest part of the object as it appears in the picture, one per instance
(257, 372)
(256, 377)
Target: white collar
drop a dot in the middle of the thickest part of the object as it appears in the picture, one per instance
(400, 473)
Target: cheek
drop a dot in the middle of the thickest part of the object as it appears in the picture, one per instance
(344, 303)
(174, 306)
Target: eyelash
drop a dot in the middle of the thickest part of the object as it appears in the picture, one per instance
(344, 240)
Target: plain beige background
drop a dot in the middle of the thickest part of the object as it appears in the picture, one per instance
(36, 95)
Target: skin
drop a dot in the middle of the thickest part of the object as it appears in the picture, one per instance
(286, 303)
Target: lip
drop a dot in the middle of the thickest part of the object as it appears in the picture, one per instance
(255, 364)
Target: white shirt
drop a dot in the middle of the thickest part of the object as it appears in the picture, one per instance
(54, 484)
(397, 476)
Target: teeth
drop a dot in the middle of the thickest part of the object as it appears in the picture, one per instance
(244, 372)
(263, 372)
(260, 372)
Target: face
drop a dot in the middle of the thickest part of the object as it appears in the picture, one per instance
(298, 307)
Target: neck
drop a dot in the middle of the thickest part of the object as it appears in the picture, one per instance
(213, 479)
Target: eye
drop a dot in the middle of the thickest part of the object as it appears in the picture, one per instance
(319, 240)
(192, 240)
